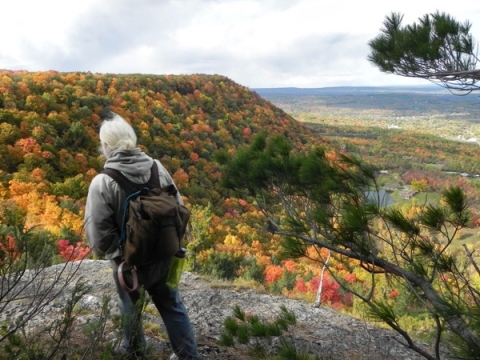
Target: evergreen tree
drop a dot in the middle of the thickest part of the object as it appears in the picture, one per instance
(437, 48)
(319, 198)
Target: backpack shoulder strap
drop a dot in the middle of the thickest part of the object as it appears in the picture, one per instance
(124, 183)
(129, 186)
(154, 181)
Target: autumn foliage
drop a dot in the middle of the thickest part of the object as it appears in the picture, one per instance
(49, 137)
(8, 250)
(72, 252)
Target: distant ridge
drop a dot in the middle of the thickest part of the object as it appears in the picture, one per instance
(348, 89)
(403, 100)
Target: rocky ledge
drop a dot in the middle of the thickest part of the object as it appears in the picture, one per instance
(320, 331)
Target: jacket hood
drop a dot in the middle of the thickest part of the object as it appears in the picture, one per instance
(131, 162)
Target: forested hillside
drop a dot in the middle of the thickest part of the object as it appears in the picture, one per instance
(50, 120)
(49, 154)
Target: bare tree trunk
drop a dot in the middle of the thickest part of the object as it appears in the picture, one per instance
(318, 300)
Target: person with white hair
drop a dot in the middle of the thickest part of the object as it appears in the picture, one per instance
(103, 219)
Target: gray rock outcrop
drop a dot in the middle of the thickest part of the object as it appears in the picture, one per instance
(320, 331)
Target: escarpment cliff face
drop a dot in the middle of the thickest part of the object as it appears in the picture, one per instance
(319, 331)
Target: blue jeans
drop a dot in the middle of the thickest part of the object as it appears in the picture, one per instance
(169, 305)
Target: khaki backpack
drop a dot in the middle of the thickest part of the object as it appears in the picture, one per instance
(154, 224)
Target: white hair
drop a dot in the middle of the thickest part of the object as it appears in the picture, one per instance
(117, 134)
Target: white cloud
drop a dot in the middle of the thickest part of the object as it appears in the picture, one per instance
(257, 43)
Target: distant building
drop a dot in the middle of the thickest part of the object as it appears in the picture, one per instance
(407, 193)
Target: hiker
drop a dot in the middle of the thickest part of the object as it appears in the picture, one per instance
(103, 219)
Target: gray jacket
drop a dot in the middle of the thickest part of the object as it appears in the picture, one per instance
(104, 208)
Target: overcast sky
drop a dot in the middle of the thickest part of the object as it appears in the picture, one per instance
(256, 43)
